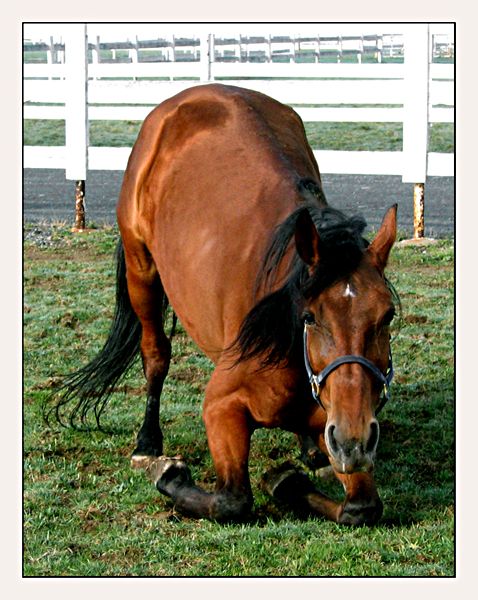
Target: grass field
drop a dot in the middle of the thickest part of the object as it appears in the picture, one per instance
(323, 136)
(87, 513)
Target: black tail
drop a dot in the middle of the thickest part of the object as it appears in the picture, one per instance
(88, 390)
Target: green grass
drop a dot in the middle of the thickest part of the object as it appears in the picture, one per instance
(323, 136)
(87, 513)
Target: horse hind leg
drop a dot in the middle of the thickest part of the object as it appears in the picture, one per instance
(147, 298)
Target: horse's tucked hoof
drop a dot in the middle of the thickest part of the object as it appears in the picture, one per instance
(326, 473)
(286, 482)
(139, 461)
(314, 459)
(355, 513)
(169, 473)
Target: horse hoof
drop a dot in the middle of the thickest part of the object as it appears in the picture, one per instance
(326, 473)
(314, 459)
(285, 482)
(142, 462)
(169, 473)
(358, 514)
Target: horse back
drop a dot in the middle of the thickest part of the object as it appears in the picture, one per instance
(213, 171)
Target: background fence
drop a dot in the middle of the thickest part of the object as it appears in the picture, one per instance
(365, 83)
(405, 76)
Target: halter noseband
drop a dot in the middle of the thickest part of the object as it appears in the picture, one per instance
(317, 380)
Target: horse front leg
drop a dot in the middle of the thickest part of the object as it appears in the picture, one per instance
(361, 506)
(228, 431)
(293, 488)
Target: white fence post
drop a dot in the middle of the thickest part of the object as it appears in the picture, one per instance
(207, 48)
(76, 115)
(50, 54)
(415, 123)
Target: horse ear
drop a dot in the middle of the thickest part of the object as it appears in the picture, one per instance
(307, 239)
(380, 248)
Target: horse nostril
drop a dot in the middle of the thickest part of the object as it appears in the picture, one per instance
(332, 442)
(373, 438)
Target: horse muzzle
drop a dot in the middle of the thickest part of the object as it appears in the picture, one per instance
(352, 454)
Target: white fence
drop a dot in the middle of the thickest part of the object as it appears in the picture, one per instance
(332, 92)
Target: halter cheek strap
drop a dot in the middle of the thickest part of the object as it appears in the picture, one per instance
(317, 380)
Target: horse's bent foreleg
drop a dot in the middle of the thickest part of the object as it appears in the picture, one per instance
(147, 295)
(172, 478)
(362, 505)
(293, 488)
(228, 431)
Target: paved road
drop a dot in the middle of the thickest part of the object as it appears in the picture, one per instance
(49, 197)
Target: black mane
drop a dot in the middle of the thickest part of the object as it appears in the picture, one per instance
(272, 330)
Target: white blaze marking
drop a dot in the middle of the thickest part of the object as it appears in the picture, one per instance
(349, 292)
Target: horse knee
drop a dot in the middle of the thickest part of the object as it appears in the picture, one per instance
(227, 507)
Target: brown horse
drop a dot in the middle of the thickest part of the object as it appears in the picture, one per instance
(222, 214)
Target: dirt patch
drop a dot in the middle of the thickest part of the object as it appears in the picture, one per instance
(418, 242)
(47, 242)
(63, 252)
(415, 319)
(68, 320)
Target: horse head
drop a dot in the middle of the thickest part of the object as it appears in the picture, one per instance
(346, 333)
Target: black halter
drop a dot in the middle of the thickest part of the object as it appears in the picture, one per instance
(317, 380)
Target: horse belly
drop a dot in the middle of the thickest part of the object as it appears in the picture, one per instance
(208, 252)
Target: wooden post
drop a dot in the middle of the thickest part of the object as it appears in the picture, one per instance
(76, 121)
(415, 123)
(80, 221)
(418, 210)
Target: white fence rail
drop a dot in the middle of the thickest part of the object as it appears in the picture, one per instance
(330, 161)
(296, 93)
(327, 92)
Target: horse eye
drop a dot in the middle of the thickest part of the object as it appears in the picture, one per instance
(387, 319)
(308, 318)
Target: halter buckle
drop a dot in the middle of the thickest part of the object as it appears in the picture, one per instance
(315, 387)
